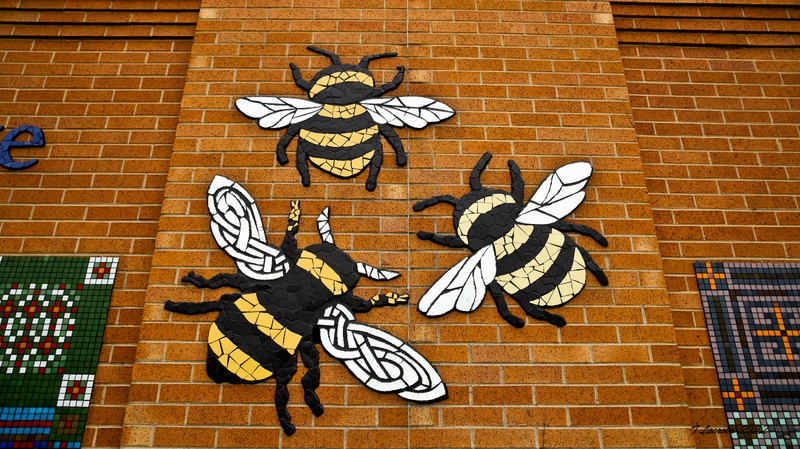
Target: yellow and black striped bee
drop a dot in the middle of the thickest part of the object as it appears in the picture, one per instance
(518, 248)
(339, 129)
(290, 298)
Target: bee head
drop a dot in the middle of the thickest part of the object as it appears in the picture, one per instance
(343, 83)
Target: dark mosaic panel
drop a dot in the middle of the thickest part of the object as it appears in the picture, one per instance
(518, 248)
(52, 316)
(753, 317)
(340, 126)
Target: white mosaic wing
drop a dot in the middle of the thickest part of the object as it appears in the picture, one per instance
(277, 112)
(416, 112)
(378, 359)
(462, 287)
(560, 194)
(237, 228)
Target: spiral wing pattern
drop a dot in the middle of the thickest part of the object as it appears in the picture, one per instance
(378, 359)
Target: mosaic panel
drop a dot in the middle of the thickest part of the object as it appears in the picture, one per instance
(52, 316)
(287, 294)
(518, 248)
(753, 316)
(340, 125)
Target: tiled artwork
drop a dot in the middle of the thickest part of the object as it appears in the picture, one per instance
(286, 293)
(753, 317)
(340, 125)
(52, 316)
(518, 248)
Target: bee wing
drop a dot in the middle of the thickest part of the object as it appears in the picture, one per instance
(378, 359)
(416, 112)
(236, 226)
(559, 195)
(277, 112)
(462, 287)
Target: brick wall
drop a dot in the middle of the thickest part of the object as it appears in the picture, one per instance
(718, 128)
(541, 83)
(109, 108)
(116, 84)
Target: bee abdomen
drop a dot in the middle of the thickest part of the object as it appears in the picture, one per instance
(553, 276)
(235, 360)
(535, 267)
(561, 284)
(250, 356)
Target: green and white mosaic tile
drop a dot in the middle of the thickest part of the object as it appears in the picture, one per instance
(52, 316)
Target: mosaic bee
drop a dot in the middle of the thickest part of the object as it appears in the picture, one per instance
(518, 248)
(339, 129)
(291, 297)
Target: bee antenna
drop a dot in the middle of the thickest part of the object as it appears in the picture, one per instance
(365, 61)
(334, 57)
(475, 177)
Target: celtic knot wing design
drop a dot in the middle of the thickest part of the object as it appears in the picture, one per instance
(378, 359)
(236, 226)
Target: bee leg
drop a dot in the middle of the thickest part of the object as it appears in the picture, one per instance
(374, 169)
(235, 280)
(287, 137)
(592, 266)
(452, 241)
(302, 166)
(502, 306)
(424, 204)
(540, 314)
(282, 379)
(395, 142)
(517, 183)
(310, 355)
(580, 229)
(192, 308)
(196, 308)
(475, 177)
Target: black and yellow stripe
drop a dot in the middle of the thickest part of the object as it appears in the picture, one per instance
(540, 265)
(318, 268)
(250, 360)
(343, 138)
